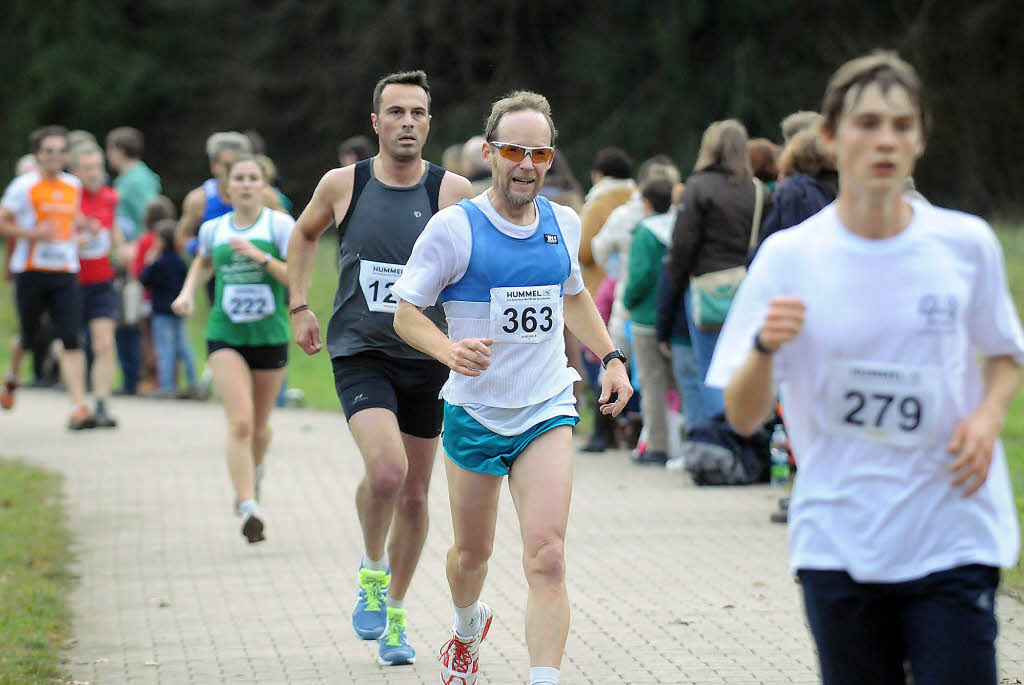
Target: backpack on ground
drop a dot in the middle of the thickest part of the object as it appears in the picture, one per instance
(715, 454)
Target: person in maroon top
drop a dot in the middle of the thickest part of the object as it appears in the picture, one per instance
(99, 299)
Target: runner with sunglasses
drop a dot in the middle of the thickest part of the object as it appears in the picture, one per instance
(42, 210)
(505, 267)
(388, 390)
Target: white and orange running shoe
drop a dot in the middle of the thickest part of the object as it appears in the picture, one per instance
(460, 656)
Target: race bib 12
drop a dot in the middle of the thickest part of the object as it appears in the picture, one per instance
(376, 279)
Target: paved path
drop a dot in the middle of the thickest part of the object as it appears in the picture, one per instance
(669, 583)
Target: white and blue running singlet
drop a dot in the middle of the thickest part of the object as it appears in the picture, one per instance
(511, 292)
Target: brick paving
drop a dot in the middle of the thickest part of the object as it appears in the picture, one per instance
(669, 583)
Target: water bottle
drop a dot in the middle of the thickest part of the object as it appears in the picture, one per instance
(779, 448)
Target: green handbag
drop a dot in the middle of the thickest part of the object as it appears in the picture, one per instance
(711, 294)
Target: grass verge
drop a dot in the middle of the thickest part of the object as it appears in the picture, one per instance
(34, 579)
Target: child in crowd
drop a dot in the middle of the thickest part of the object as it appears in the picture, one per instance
(163, 276)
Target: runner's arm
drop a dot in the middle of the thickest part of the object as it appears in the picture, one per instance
(750, 394)
(974, 438)
(453, 189)
(199, 272)
(584, 321)
(10, 228)
(468, 357)
(330, 199)
(192, 210)
(413, 326)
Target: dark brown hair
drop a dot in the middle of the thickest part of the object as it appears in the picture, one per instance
(36, 138)
(882, 67)
(159, 208)
(409, 78)
(128, 140)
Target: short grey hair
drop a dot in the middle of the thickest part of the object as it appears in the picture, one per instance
(798, 121)
(227, 140)
(516, 102)
(79, 150)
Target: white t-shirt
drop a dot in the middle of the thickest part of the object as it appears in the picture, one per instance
(886, 366)
(441, 256)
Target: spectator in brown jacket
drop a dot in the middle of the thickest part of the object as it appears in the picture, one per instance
(612, 186)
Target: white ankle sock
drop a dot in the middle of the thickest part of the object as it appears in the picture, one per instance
(543, 675)
(381, 565)
(395, 603)
(466, 619)
(249, 507)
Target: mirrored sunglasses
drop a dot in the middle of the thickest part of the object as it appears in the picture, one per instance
(516, 153)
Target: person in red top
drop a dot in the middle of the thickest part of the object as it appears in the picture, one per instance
(96, 274)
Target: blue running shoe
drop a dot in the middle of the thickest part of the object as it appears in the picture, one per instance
(370, 613)
(394, 646)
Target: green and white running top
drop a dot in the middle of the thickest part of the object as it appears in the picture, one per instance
(249, 306)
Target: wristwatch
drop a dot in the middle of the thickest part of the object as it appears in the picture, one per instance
(266, 258)
(614, 354)
(761, 347)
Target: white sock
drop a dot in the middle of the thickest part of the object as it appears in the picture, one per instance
(380, 565)
(249, 508)
(466, 619)
(395, 603)
(543, 675)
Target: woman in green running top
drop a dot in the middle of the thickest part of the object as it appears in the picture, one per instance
(247, 334)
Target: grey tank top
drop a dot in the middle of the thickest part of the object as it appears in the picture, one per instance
(377, 234)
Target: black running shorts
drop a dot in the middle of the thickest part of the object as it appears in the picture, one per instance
(407, 387)
(257, 357)
(58, 294)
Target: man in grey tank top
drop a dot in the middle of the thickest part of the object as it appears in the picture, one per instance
(388, 390)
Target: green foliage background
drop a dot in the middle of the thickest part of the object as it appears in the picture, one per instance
(648, 76)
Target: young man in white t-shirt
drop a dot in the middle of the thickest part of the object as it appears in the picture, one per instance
(888, 328)
(505, 267)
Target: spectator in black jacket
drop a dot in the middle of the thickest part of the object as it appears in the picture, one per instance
(713, 231)
(164, 276)
(809, 182)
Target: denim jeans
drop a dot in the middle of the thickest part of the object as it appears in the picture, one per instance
(684, 368)
(703, 348)
(171, 344)
(128, 340)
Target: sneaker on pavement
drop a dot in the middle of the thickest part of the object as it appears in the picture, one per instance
(252, 527)
(104, 420)
(460, 656)
(648, 457)
(81, 419)
(394, 646)
(7, 392)
(369, 616)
